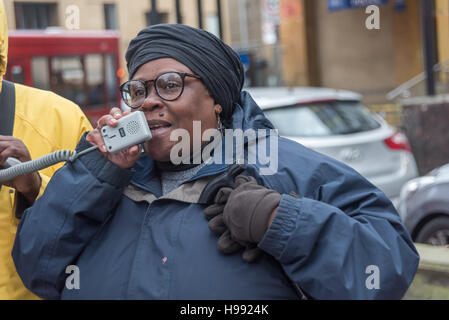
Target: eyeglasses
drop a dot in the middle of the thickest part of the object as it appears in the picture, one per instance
(169, 87)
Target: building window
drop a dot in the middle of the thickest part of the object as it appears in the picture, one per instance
(110, 16)
(213, 24)
(162, 17)
(35, 15)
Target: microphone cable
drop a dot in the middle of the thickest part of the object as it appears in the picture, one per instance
(15, 168)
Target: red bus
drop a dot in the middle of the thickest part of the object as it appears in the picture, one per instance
(82, 66)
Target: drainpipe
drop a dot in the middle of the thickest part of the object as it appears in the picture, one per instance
(429, 45)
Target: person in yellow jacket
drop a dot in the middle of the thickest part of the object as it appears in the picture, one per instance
(43, 123)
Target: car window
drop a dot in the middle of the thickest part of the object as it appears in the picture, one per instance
(322, 119)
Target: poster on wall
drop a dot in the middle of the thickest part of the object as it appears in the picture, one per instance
(335, 5)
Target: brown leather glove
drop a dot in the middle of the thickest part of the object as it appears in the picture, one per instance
(240, 216)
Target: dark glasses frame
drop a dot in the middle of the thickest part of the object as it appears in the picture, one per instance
(145, 85)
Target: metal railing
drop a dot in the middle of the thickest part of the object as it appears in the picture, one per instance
(416, 86)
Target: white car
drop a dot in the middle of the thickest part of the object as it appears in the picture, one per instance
(337, 124)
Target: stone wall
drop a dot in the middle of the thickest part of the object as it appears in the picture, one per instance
(431, 282)
(392, 113)
(425, 121)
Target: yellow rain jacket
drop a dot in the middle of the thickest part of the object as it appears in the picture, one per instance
(44, 122)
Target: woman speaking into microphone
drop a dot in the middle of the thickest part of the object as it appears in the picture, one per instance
(134, 225)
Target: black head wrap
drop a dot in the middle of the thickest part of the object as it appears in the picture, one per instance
(216, 63)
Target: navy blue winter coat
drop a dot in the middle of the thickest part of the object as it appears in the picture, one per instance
(128, 242)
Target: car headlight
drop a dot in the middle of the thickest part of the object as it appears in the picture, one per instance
(411, 187)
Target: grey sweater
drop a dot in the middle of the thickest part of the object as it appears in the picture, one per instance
(170, 180)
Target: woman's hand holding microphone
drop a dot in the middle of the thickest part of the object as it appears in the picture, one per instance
(124, 159)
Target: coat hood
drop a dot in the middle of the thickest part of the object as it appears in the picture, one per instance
(248, 115)
(3, 42)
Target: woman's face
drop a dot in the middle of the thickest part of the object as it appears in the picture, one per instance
(195, 104)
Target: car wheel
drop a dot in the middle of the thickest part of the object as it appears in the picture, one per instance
(435, 232)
